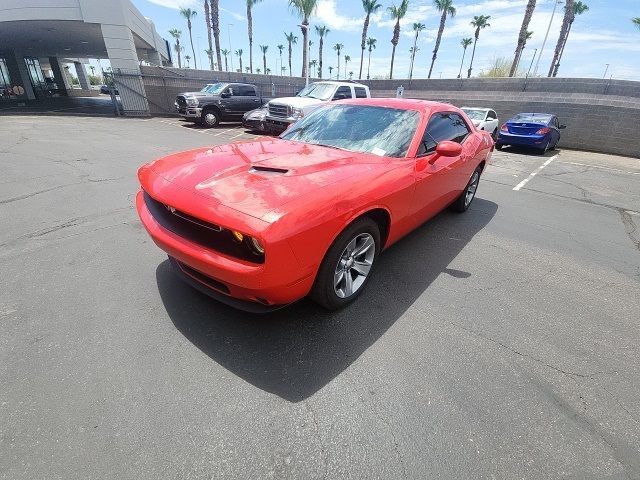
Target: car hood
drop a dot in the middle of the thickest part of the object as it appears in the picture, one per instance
(298, 102)
(258, 177)
(194, 94)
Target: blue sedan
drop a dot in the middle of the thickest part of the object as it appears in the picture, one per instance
(536, 130)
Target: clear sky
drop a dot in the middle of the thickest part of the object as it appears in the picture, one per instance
(603, 35)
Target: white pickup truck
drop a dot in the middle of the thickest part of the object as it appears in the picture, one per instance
(282, 112)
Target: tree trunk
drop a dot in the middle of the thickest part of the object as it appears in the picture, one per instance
(178, 52)
(305, 39)
(195, 63)
(473, 55)
(566, 21)
(363, 44)
(464, 52)
(240, 57)
(522, 37)
(320, 57)
(226, 65)
(413, 55)
(207, 16)
(394, 42)
(264, 62)
(369, 64)
(338, 74)
(215, 26)
(564, 44)
(290, 52)
(443, 19)
(250, 30)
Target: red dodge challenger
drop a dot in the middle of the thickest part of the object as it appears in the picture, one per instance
(261, 224)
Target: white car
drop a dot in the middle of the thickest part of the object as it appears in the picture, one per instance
(484, 119)
(285, 111)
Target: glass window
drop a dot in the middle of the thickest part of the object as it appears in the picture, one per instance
(360, 92)
(5, 80)
(319, 91)
(544, 118)
(245, 91)
(342, 92)
(475, 113)
(358, 128)
(213, 88)
(441, 127)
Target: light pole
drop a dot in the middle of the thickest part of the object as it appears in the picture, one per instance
(544, 42)
(605, 71)
(229, 25)
(530, 66)
(306, 52)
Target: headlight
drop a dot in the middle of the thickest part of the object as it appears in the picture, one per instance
(297, 113)
(256, 246)
(192, 101)
(253, 244)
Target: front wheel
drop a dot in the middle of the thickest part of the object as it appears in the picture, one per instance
(494, 135)
(347, 266)
(210, 118)
(463, 202)
(499, 146)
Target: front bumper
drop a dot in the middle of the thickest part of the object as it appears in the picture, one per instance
(190, 112)
(254, 124)
(256, 287)
(536, 141)
(277, 124)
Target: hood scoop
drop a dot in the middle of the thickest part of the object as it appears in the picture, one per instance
(267, 171)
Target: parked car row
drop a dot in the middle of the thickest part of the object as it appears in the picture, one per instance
(221, 102)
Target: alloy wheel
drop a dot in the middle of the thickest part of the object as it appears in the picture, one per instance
(354, 265)
(471, 189)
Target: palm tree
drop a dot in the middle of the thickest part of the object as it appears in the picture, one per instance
(280, 49)
(465, 44)
(370, 7)
(239, 54)
(292, 40)
(250, 4)
(263, 49)
(246, 68)
(522, 38)
(322, 32)
(189, 14)
(636, 22)
(207, 19)
(282, 70)
(215, 26)
(347, 59)
(312, 64)
(527, 38)
(175, 33)
(417, 27)
(330, 71)
(225, 52)
(578, 9)
(338, 47)
(179, 49)
(371, 43)
(187, 58)
(397, 13)
(350, 75)
(267, 71)
(480, 22)
(209, 52)
(447, 8)
(304, 9)
(258, 71)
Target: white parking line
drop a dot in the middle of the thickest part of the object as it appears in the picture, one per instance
(533, 174)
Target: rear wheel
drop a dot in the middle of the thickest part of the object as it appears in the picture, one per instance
(347, 266)
(499, 146)
(210, 118)
(463, 202)
(494, 135)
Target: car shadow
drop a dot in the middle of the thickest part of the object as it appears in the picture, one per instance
(296, 351)
(530, 151)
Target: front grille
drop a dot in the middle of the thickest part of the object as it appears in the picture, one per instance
(278, 110)
(198, 231)
(181, 101)
(202, 278)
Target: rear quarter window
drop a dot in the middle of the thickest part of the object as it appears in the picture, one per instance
(361, 92)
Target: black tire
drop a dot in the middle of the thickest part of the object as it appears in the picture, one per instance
(324, 289)
(210, 118)
(499, 146)
(494, 135)
(463, 202)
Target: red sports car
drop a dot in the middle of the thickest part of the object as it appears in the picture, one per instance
(261, 224)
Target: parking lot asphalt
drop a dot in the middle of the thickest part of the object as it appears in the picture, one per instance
(499, 343)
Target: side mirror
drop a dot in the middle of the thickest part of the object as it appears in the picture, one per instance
(562, 127)
(446, 148)
(225, 95)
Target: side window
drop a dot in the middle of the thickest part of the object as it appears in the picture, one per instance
(360, 92)
(342, 92)
(245, 91)
(492, 115)
(229, 90)
(443, 126)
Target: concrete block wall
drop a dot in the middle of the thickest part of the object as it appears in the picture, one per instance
(601, 115)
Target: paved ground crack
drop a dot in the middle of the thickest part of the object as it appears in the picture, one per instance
(630, 227)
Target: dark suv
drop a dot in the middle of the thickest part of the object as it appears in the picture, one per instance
(219, 102)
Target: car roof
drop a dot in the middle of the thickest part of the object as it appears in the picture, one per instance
(342, 82)
(400, 103)
(476, 108)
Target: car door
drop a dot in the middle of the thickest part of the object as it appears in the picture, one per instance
(234, 104)
(439, 179)
(249, 98)
(492, 121)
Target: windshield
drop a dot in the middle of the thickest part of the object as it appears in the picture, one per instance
(213, 88)
(532, 118)
(475, 113)
(357, 128)
(320, 91)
